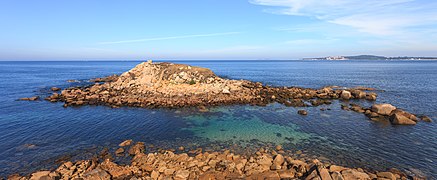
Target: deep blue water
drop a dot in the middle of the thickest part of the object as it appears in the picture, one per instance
(342, 137)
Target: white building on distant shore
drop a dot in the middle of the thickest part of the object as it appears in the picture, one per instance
(336, 58)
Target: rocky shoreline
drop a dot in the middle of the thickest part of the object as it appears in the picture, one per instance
(199, 164)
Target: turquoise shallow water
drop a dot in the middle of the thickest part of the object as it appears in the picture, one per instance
(338, 136)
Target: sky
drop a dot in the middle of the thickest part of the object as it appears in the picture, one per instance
(215, 29)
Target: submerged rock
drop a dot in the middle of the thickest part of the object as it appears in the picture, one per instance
(55, 89)
(34, 98)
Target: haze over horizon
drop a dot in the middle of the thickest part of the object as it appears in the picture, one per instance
(211, 29)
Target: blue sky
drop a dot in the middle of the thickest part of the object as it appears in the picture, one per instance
(215, 29)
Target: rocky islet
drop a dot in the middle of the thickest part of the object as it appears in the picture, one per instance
(169, 85)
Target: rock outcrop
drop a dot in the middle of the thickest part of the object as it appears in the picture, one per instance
(386, 112)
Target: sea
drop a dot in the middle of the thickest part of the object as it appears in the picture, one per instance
(37, 135)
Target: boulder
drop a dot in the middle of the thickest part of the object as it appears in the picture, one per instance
(359, 94)
(286, 174)
(119, 151)
(182, 175)
(154, 174)
(40, 175)
(426, 118)
(313, 175)
(324, 173)
(336, 176)
(371, 96)
(354, 174)
(406, 114)
(278, 147)
(383, 109)
(279, 160)
(302, 112)
(335, 168)
(346, 95)
(116, 171)
(399, 119)
(137, 148)
(386, 175)
(126, 143)
(96, 174)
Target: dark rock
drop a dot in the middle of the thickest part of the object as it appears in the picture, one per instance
(371, 96)
(426, 118)
(202, 109)
(119, 151)
(345, 107)
(302, 112)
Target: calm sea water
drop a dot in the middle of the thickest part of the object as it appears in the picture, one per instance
(34, 134)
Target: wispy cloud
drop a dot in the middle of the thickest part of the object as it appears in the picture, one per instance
(387, 17)
(305, 42)
(170, 38)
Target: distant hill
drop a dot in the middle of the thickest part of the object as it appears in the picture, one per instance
(371, 57)
(366, 57)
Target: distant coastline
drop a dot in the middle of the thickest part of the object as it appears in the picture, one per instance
(370, 57)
